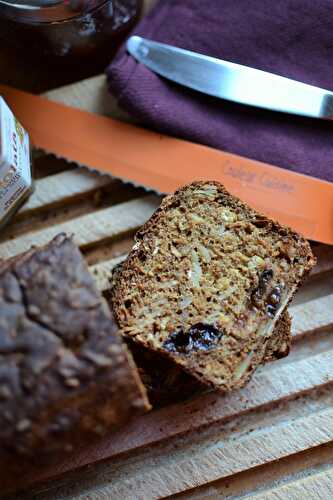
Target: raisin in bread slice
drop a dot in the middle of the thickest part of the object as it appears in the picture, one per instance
(206, 283)
(168, 383)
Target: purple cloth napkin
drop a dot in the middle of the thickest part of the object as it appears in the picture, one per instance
(293, 38)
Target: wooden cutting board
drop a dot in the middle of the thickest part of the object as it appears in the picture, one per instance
(272, 439)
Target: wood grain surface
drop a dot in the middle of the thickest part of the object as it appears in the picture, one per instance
(272, 439)
(285, 411)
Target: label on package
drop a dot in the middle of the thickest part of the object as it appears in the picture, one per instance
(15, 168)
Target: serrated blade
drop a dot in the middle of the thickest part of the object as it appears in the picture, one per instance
(100, 172)
(163, 163)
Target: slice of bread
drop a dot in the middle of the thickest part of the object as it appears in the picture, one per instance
(168, 383)
(206, 283)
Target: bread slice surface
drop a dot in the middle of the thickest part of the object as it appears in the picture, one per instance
(167, 383)
(206, 283)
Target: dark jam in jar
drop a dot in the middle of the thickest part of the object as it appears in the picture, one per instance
(53, 36)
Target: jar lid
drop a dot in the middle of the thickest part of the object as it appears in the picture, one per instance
(40, 11)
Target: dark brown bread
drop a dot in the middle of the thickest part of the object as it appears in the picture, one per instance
(166, 382)
(207, 282)
(278, 345)
(65, 375)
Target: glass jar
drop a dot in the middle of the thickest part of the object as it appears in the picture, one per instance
(53, 34)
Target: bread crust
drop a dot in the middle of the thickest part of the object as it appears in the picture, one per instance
(65, 375)
(130, 272)
(279, 343)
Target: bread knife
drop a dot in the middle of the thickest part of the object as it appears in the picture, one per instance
(162, 163)
(230, 81)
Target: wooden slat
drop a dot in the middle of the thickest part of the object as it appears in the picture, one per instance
(220, 460)
(56, 189)
(324, 254)
(90, 95)
(91, 228)
(314, 315)
(262, 479)
(289, 381)
(102, 272)
(316, 486)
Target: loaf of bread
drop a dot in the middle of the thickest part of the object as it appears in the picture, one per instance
(66, 376)
(207, 285)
